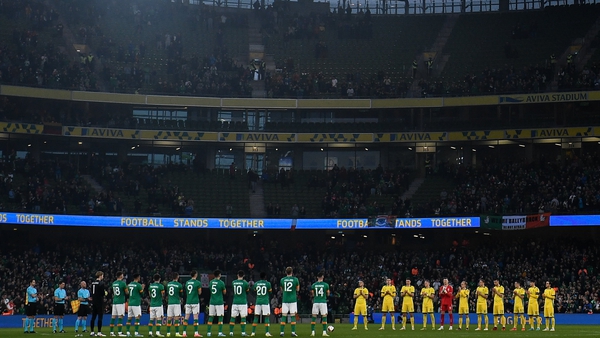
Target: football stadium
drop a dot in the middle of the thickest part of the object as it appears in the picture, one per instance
(377, 168)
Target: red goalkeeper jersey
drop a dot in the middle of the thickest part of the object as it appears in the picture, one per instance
(446, 293)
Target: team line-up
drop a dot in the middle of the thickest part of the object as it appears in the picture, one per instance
(131, 295)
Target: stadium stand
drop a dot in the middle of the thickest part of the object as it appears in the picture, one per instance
(569, 260)
(202, 51)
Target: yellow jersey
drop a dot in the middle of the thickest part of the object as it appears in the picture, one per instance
(362, 294)
(484, 291)
(534, 293)
(549, 299)
(392, 292)
(463, 298)
(518, 300)
(408, 289)
(427, 292)
(498, 299)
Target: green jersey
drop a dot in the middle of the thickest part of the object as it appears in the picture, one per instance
(156, 291)
(263, 291)
(216, 287)
(240, 292)
(290, 286)
(192, 287)
(174, 291)
(320, 290)
(135, 293)
(118, 289)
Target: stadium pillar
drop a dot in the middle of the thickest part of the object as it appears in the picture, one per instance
(529, 152)
(122, 153)
(34, 150)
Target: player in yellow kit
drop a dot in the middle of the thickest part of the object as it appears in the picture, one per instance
(463, 305)
(408, 306)
(361, 294)
(498, 292)
(388, 292)
(549, 295)
(428, 294)
(518, 309)
(533, 306)
(482, 293)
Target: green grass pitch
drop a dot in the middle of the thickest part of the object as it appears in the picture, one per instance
(344, 330)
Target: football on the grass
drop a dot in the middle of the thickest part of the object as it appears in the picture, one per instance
(330, 328)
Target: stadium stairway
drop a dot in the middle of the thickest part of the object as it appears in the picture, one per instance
(257, 202)
(256, 50)
(586, 51)
(93, 183)
(430, 189)
(439, 60)
(412, 189)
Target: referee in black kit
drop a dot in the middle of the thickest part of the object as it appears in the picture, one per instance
(98, 294)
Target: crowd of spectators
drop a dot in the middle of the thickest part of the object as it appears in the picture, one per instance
(179, 71)
(46, 186)
(570, 264)
(25, 60)
(31, 58)
(130, 180)
(566, 186)
(347, 190)
(291, 83)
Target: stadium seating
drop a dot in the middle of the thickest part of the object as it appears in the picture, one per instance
(395, 43)
(478, 41)
(168, 190)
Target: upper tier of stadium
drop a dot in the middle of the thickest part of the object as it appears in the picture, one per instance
(309, 51)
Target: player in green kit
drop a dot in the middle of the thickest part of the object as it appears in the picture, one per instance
(320, 292)
(216, 306)
(263, 291)
(239, 307)
(156, 291)
(289, 307)
(174, 292)
(135, 304)
(119, 290)
(193, 288)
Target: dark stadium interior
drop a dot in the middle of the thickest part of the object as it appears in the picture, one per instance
(300, 110)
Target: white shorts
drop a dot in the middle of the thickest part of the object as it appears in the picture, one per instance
(289, 308)
(118, 310)
(216, 310)
(174, 310)
(319, 309)
(192, 308)
(134, 311)
(264, 310)
(239, 310)
(156, 312)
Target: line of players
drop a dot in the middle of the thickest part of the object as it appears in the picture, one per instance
(446, 296)
(130, 296)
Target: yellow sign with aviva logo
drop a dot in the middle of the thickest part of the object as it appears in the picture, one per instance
(544, 98)
(257, 137)
(550, 132)
(102, 132)
(411, 137)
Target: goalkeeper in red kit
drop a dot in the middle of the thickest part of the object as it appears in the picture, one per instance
(446, 296)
